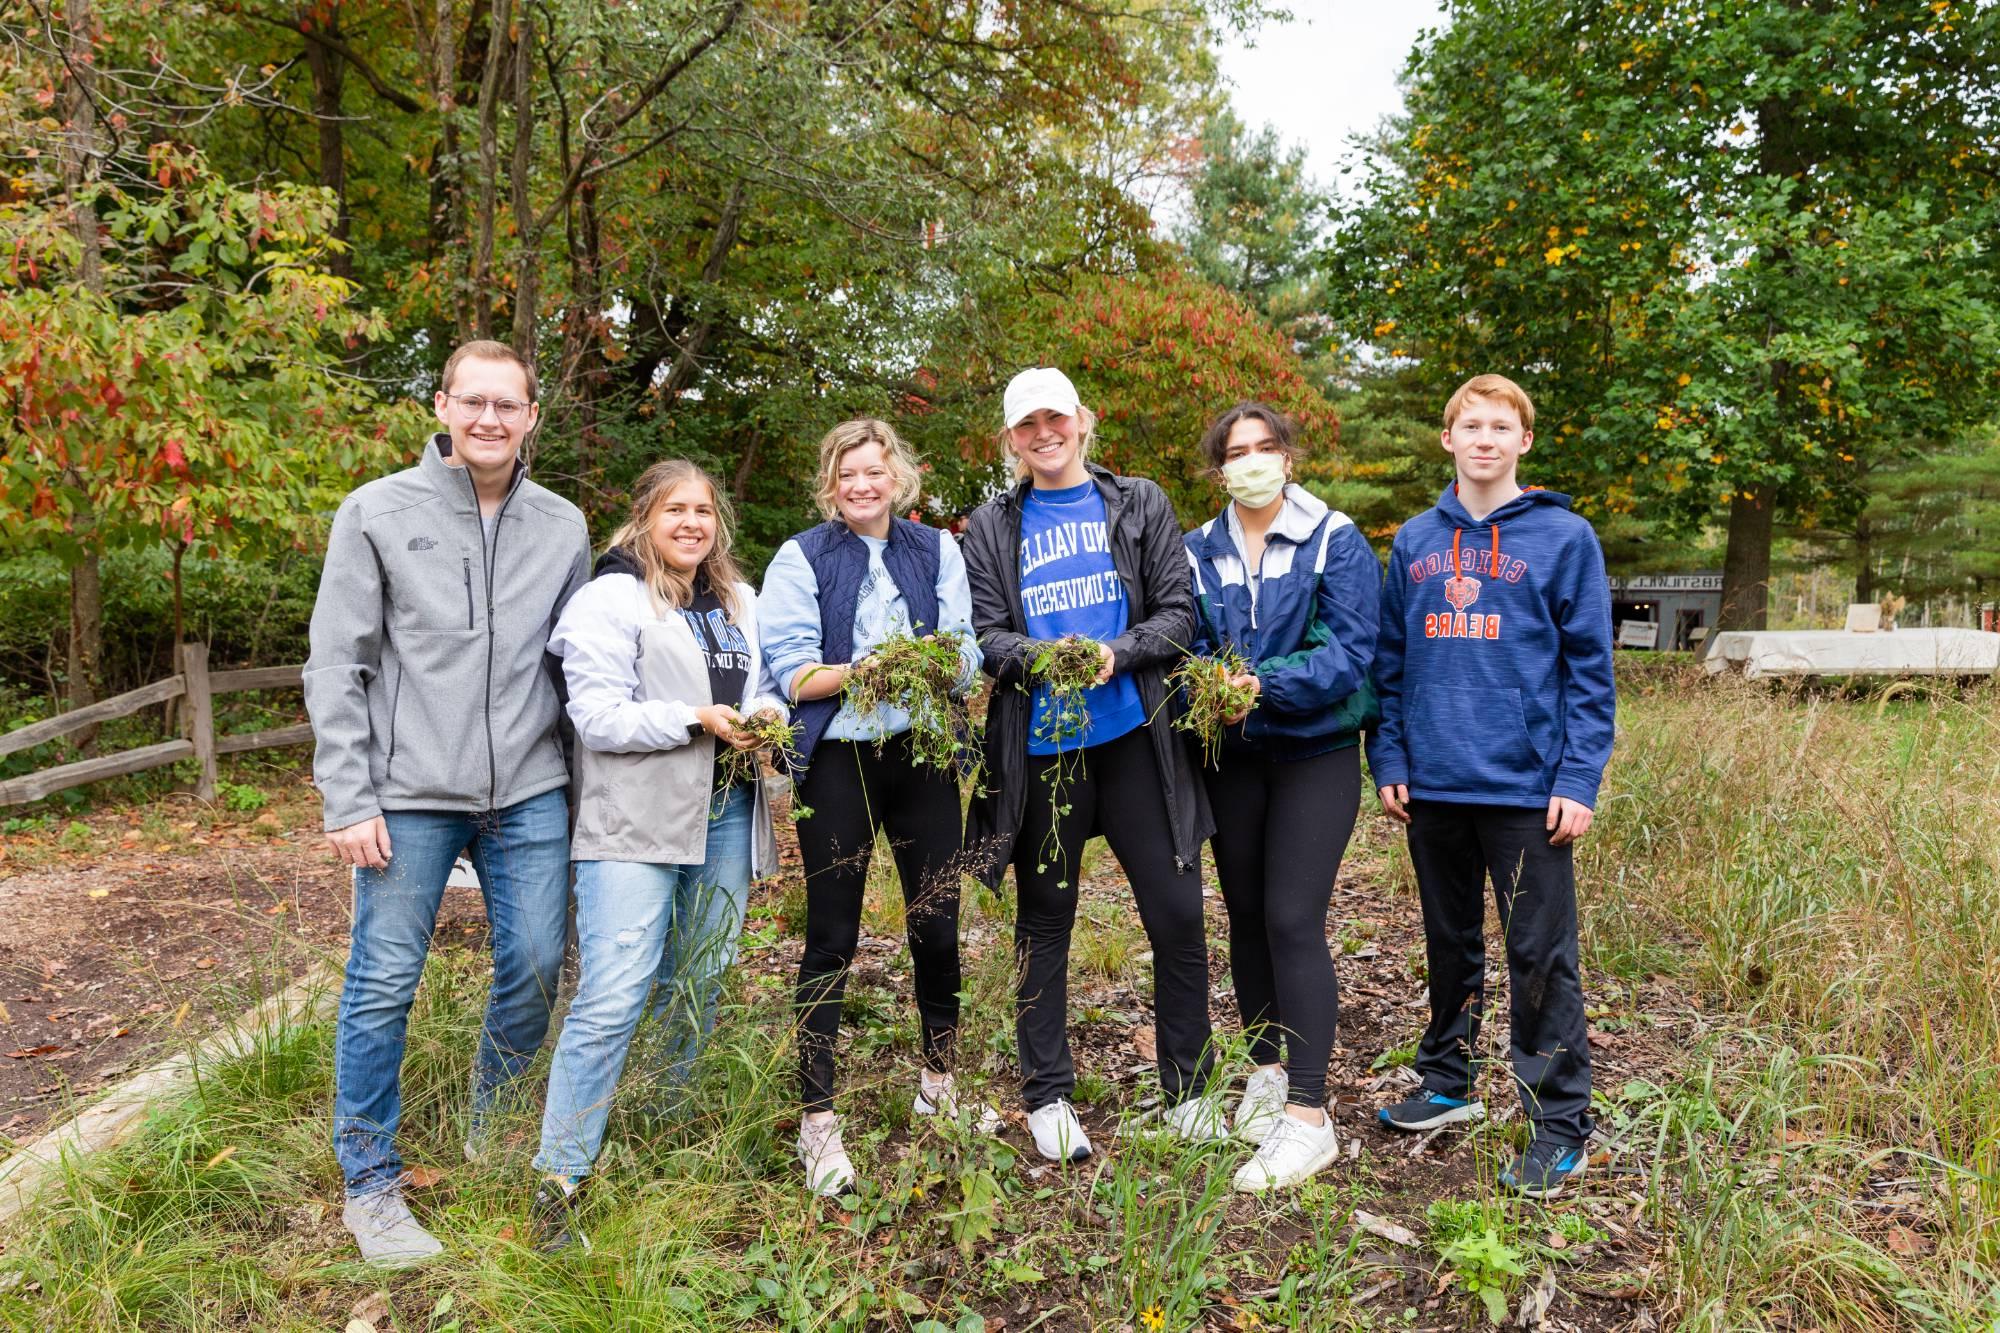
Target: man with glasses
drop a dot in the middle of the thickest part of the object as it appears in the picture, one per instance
(435, 715)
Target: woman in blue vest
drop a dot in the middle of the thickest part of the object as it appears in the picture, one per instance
(1073, 549)
(1293, 587)
(832, 595)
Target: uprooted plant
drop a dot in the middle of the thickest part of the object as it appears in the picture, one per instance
(774, 737)
(1211, 697)
(1067, 668)
(919, 676)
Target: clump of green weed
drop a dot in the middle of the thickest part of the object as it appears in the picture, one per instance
(919, 676)
(1210, 697)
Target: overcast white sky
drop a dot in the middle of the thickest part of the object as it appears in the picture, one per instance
(1328, 74)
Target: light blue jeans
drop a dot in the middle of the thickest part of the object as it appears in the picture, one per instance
(522, 856)
(663, 934)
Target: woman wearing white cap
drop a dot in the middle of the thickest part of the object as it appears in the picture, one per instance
(1074, 550)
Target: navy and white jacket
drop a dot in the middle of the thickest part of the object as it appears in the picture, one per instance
(1305, 619)
(1494, 658)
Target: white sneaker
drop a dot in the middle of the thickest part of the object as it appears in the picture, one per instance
(386, 1232)
(1196, 1120)
(1058, 1133)
(1290, 1152)
(939, 1096)
(1263, 1101)
(828, 1170)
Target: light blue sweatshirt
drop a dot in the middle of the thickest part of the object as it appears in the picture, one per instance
(788, 617)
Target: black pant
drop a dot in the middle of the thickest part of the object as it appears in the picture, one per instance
(854, 791)
(1281, 827)
(1113, 789)
(1454, 848)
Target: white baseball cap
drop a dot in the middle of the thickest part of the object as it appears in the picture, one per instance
(1043, 388)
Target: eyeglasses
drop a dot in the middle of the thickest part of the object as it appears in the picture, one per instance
(472, 406)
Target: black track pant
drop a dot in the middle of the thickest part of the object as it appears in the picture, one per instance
(1454, 848)
(1113, 789)
(853, 791)
(1281, 827)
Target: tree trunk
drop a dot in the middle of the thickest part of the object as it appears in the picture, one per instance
(687, 363)
(528, 241)
(86, 638)
(480, 284)
(1864, 560)
(82, 154)
(328, 71)
(1746, 564)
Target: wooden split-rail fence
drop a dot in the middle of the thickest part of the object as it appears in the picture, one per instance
(197, 687)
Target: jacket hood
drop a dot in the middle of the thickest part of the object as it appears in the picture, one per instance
(1453, 510)
(616, 560)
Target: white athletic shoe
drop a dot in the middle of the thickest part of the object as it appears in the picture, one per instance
(939, 1096)
(1262, 1102)
(1196, 1120)
(386, 1232)
(1290, 1152)
(828, 1170)
(1058, 1133)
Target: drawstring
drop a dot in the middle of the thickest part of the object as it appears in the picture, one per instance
(1492, 573)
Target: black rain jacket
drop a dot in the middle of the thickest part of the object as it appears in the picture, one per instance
(1152, 563)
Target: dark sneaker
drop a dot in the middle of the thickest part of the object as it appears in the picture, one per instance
(1543, 1170)
(1428, 1110)
(552, 1214)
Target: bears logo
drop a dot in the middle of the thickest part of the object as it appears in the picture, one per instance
(1461, 591)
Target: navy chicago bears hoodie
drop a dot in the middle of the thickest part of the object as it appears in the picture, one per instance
(1494, 659)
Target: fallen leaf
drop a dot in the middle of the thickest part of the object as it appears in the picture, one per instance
(32, 1051)
(277, 909)
(5, 1016)
(51, 966)
(370, 1311)
(423, 1177)
(180, 1014)
(1907, 1243)
(203, 964)
(1555, 1240)
(100, 893)
(1602, 1040)
(506, 1232)
(221, 1157)
(1146, 1043)
(1393, 1232)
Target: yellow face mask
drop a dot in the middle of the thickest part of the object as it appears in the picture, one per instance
(1254, 480)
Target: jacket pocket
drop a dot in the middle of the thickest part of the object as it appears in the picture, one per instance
(438, 718)
(1462, 738)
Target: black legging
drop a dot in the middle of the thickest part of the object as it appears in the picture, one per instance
(1113, 789)
(853, 791)
(1281, 827)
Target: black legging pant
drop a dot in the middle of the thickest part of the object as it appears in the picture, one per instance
(1281, 827)
(1113, 789)
(854, 791)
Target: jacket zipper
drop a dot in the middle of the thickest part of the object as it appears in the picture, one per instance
(467, 561)
(487, 560)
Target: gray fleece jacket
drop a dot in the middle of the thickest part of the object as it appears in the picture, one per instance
(428, 684)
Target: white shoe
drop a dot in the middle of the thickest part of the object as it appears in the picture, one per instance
(386, 1232)
(939, 1097)
(1290, 1152)
(1263, 1101)
(1058, 1133)
(828, 1170)
(1196, 1120)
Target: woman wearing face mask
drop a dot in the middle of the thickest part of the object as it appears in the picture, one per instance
(1292, 586)
(833, 595)
(660, 652)
(1072, 549)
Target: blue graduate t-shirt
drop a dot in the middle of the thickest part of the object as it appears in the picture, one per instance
(1069, 585)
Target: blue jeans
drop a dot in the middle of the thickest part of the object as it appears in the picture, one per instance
(658, 933)
(522, 856)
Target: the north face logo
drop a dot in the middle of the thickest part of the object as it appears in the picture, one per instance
(422, 543)
(1461, 591)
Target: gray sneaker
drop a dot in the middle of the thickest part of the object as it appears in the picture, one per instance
(386, 1232)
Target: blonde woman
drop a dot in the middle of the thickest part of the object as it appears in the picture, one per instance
(832, 595)
(660, 650)
(1072, 549)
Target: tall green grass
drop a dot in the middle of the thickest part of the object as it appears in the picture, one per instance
(1825, 871)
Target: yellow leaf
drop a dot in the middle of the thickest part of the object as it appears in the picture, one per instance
(221, 1157)
(100, 893)
(1685, 379)
(180, 1014)
(1553, 254)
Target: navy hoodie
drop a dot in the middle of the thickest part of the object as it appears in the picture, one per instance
(1493, 664)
